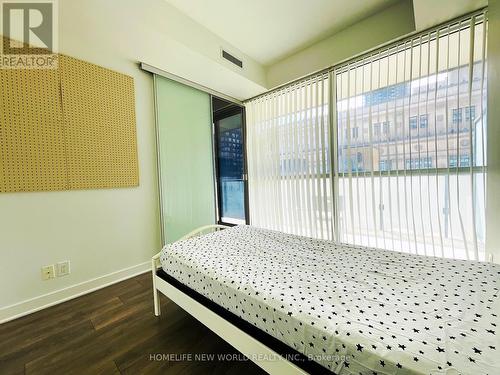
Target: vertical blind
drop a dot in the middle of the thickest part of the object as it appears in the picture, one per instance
(288, 147)
(408, 130)
(411, 144)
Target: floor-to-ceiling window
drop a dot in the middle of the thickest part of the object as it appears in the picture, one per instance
(408, 123)
(411, 144)
(289, 159)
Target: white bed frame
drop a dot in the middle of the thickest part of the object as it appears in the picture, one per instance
(266, 358)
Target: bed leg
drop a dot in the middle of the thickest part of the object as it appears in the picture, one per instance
(156, 296)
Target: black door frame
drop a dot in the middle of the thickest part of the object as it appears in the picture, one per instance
(221, 114)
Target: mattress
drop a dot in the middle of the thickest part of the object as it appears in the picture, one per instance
(354, 310)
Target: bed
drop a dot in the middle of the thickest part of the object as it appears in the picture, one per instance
(346, 309)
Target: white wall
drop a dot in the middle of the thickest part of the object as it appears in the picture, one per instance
(104, 231)
(390, 23)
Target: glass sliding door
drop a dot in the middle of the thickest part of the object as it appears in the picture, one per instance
(185, 167)
(230, 163)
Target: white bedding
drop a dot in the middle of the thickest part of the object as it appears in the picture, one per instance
(354, 310)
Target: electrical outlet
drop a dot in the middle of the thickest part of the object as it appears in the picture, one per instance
(48, 272)
(63, 268)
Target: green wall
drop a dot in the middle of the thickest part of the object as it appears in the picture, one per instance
(186, 166)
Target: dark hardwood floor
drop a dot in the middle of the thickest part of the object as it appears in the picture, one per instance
(114, 331)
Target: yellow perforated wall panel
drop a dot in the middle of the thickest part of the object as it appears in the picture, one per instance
(69, 128)
(99, 117)
(32, 147)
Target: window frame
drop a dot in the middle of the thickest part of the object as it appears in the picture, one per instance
(234, 110)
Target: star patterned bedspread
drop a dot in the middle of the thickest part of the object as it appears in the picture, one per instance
(354, 310)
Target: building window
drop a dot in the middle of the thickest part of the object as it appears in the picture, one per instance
(464, 160)
(413, 122)
(470, 113)
(385, 165)
(355, 132)
(424, 121)
(360, 157)
(456, 115)
(385, 127)
(422, 163)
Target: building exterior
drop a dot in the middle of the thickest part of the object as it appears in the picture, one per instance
(412, 125)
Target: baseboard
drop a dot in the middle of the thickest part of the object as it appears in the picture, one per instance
(32, 305)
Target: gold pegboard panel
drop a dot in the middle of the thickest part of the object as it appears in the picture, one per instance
(99, 119)
(32, 148)
(67, 128)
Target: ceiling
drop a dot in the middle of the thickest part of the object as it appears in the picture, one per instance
(431, 12)
(270, 30)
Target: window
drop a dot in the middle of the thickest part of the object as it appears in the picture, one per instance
(421, 191)
(457, 115)
(288, 151)
(424, 121)
(355, 132)
(470, 113)
(408, 180)
(385, 165)
(420, 163)
(413, 122)
(385, 126)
